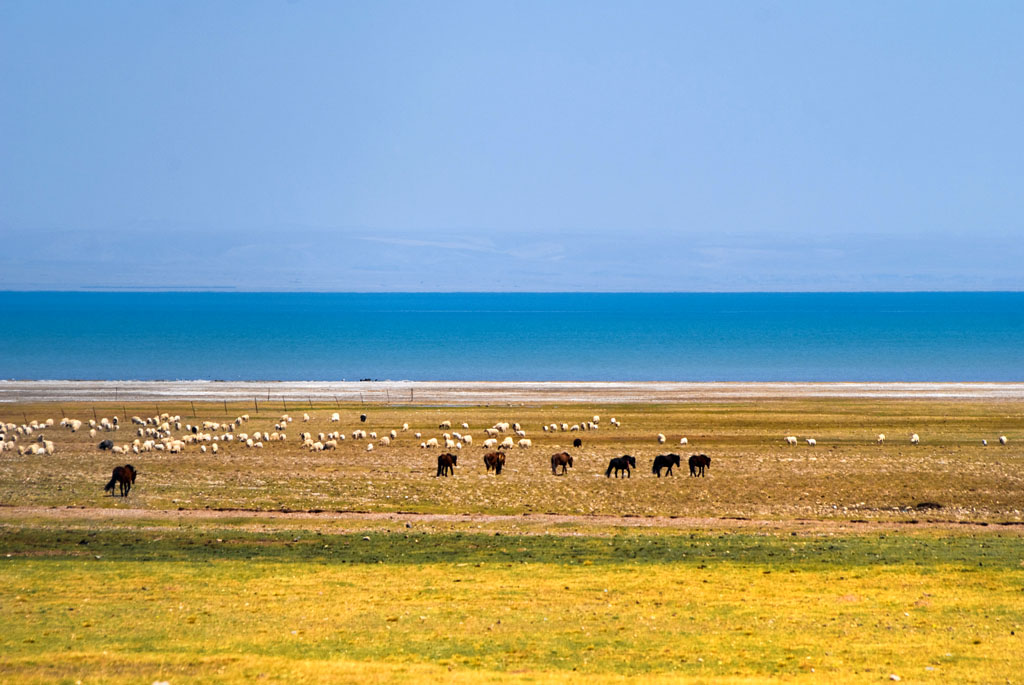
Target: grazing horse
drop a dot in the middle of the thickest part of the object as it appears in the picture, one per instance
(494, 460)
(563, 459)
(698, 463)
(123, 476)
(665, 461)
(577, 443)
(446, 463)
(622, 463)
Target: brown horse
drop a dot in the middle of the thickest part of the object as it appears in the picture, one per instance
(496, 461)
(123, 476)
(446, 464)
(698, 463)
(563, 459)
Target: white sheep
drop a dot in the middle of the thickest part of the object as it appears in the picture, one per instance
(385, 441)
(881, 438)
(335, 417)
(394, 434)
(468, 439)
(915, 439)
(507, 442)
(405, 426)
(432, 442)
(331, 445)
(661, 438)
(490, 442)
(417, 435)
(984, 443)
(369, 447)
(213, 448)
(683, 441)
(525, 442)
(305, 418)
(812, 442)
(1003, 440)
(465, 425)
(202, 448)
(790, 439)
(445, 424)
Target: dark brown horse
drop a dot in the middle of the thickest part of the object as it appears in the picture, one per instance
(577, 442)
(563, 459)
(446, 464)
(123, 476)
(698, 463)
(496, 461)
(622, 463)
(665, 461)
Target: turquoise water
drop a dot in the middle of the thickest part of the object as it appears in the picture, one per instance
(488, 336)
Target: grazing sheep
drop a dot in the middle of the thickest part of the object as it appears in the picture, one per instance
(213, 448)
(915, 439)
(684, 441)
(575, 427)
(490, 442)
(202, 448)
(491, 432)
(544, 428)
(445, 424)
(369, 447)
(465, 425)
(520, 433)
(984, 443)
(394, 435)
(432, 442)
(661, 438)
(305, 418)
(385, 441)
(405, 426)
(1003, 440)
(881, 438)
(417, 435)
(335, 417)
(331, 445)
(449, 444)
(525, 443)
(790, 439)
(812, 442)
(508, 442)
(468, 439)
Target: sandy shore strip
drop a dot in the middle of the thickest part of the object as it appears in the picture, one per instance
(484, 392)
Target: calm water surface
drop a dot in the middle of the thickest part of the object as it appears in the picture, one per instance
(487, 336)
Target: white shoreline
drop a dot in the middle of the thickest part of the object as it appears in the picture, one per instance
(485, 392)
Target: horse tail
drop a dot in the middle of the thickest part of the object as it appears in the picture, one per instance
(608, 473)
(110, 486)
(654, 466)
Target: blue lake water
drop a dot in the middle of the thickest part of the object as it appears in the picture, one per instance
(513, 336)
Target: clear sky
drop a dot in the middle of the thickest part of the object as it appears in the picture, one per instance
(540, 146)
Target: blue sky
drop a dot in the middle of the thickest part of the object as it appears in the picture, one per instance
(538, 146)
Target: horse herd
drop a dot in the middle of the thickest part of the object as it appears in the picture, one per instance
(124, 476)
(563, 460)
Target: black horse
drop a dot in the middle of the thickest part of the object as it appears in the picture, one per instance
(622, 463)
(665, 461)
(446, 464)
(698, 463)
(123, 476)
(577, 443)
